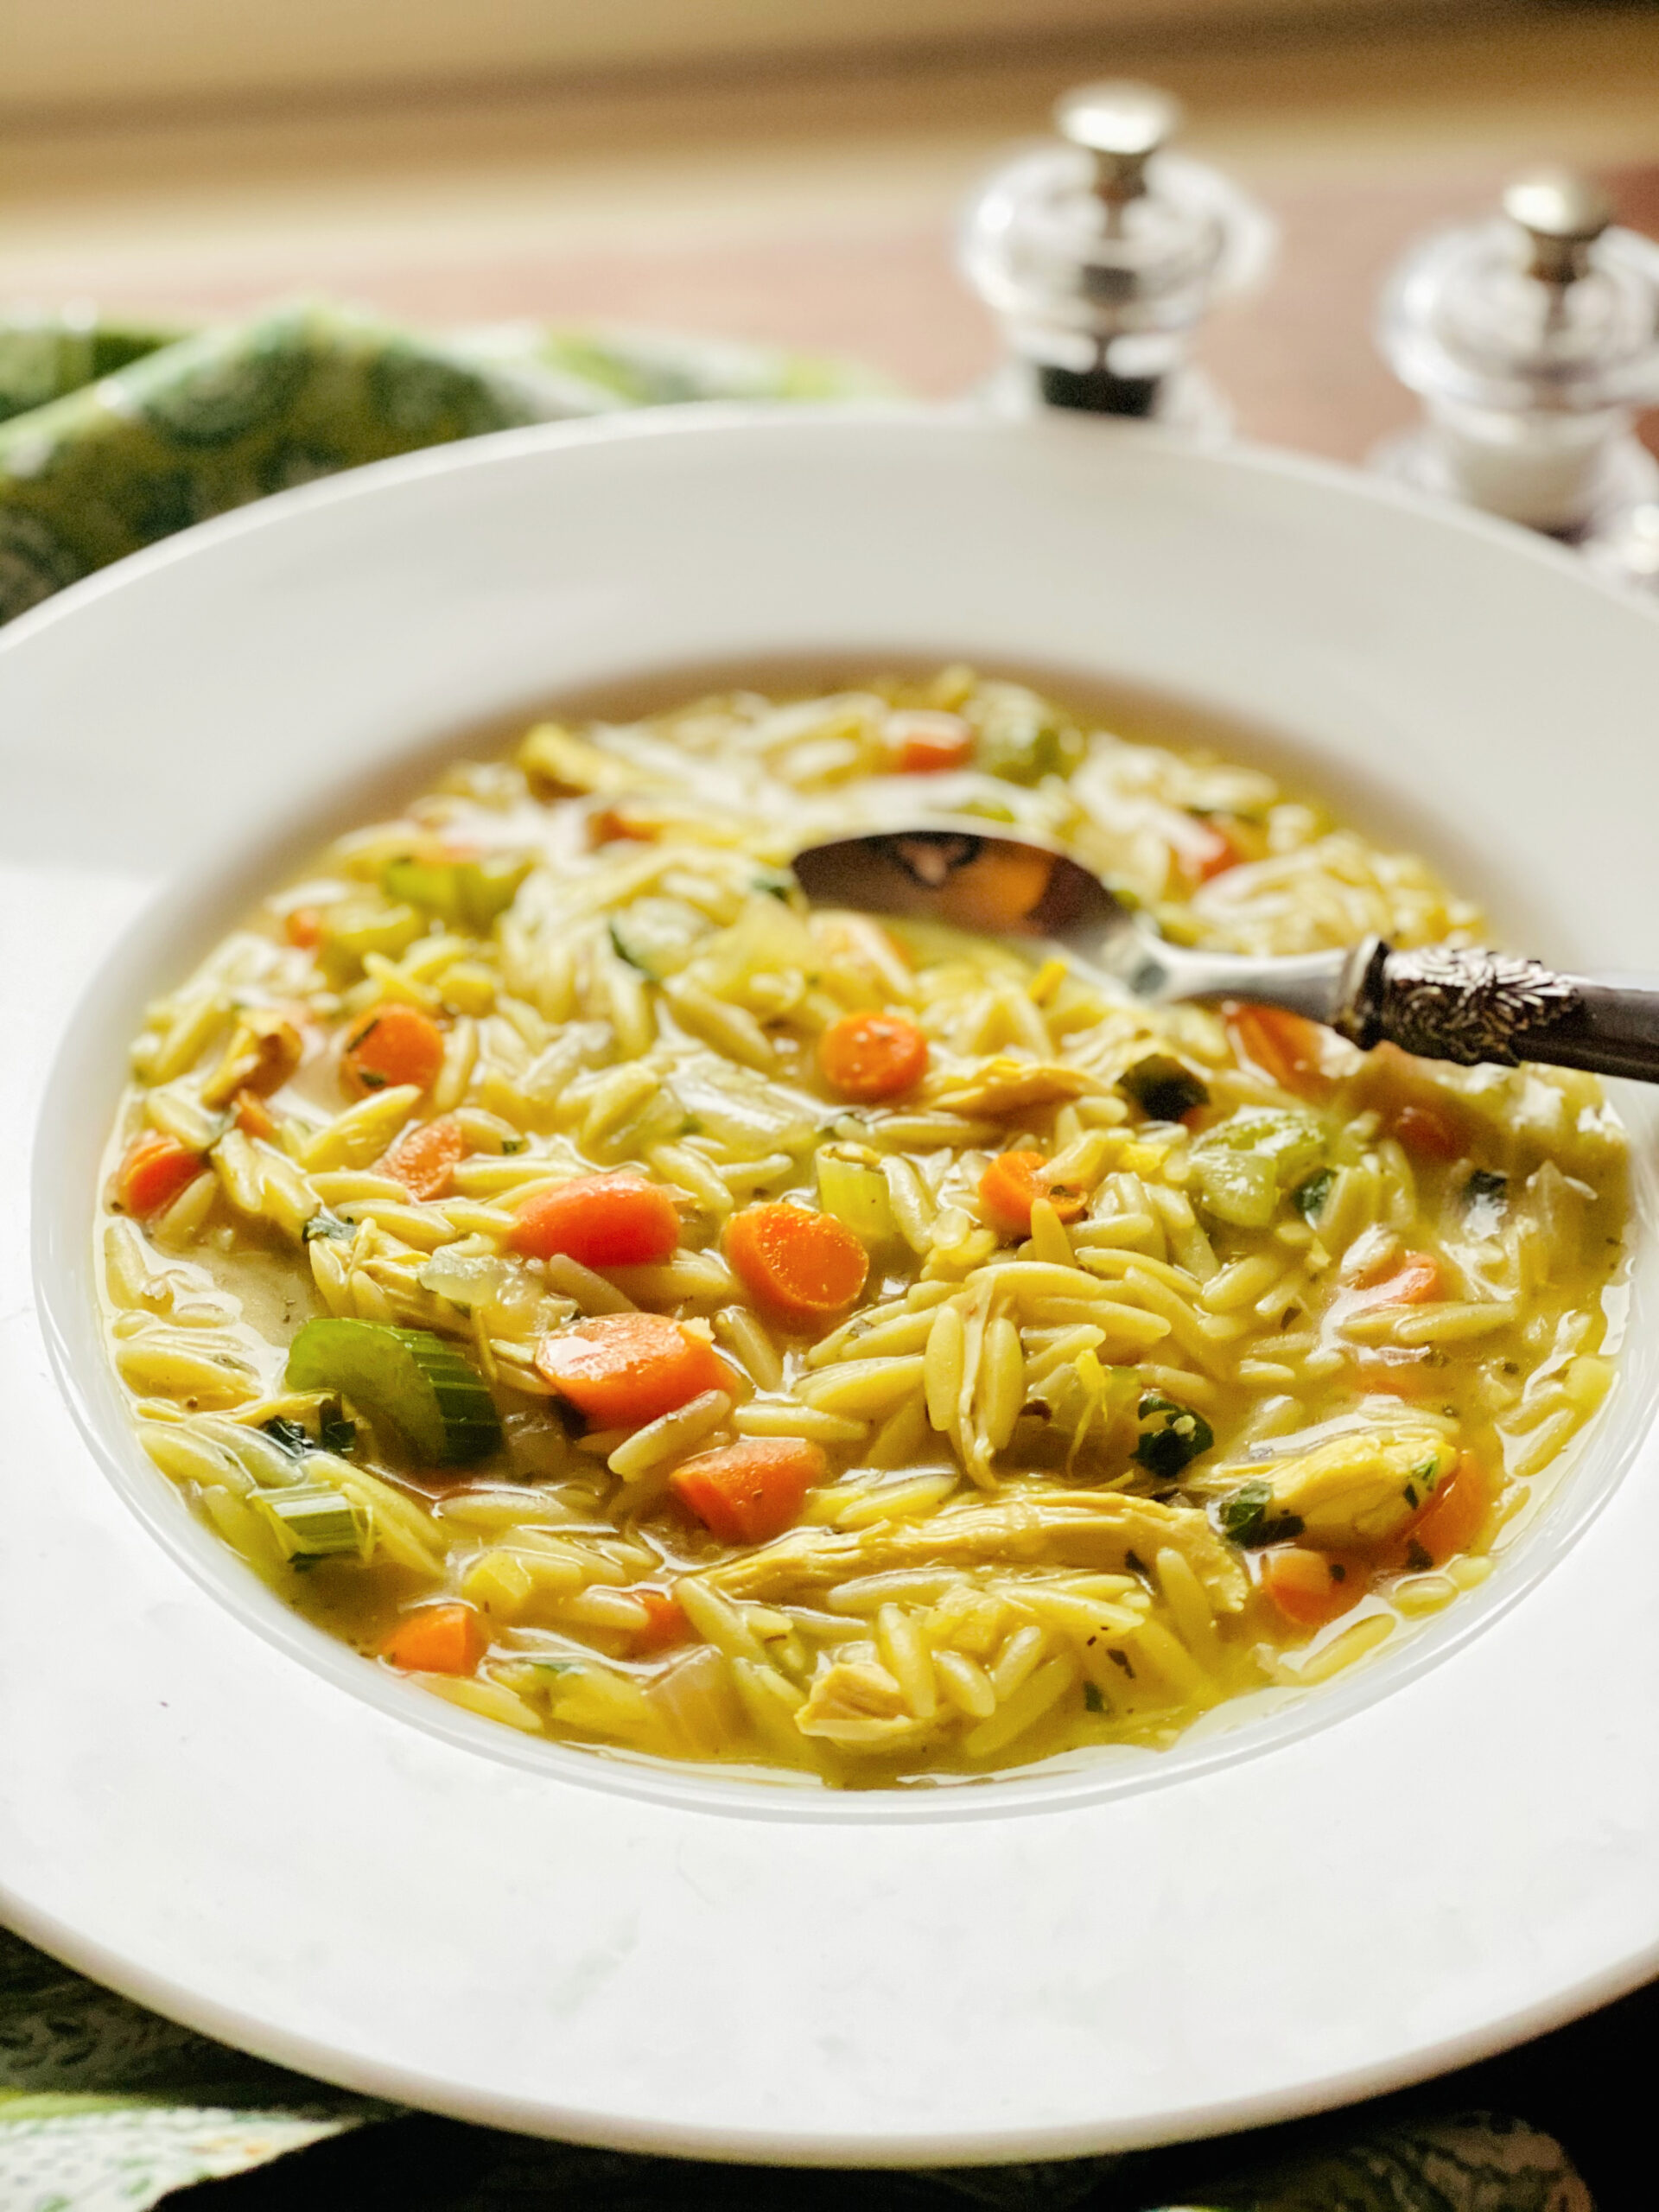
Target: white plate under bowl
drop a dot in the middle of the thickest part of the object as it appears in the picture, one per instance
(226, 1815)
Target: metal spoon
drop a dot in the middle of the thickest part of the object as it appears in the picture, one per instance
(1442, 1001)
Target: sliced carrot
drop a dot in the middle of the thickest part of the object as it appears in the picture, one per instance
(1012, 1184)
(1454, 1515)
(803, 1268)
(1416, 1282)
(1310, 1588)
(1282, 1047)
(153, 1173)
(1206, 851)
(922, 743)
(303, 926)
(1428, 1132)
(666, 1623)
(437, 1640)
(424, 1161)
(868, 1056)
(1000, 890)
(750, 1493)
(618, 1220)
(397, 1043)
(253, 1117)
(624, 1369)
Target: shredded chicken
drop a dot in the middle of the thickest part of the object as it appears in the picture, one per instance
(857, 1703)
(1043, 1526)
(1005, 1085)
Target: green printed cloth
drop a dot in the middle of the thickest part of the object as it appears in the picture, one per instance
(111, 438)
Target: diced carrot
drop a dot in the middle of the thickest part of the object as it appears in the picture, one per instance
(1012, 1184)
(1454, 1515)
(424, 1161)
(1287, 1049)
(1416, 1282)
(1311, 1588)
(447, 1639)
(397, 1043)
(868, 1056)
(752, 1491)
(1428, 1132)
(666, 1623)
(153, 1173)
(617, 1220)
(1206, 851)
(303, 926)
(922, 743)
(803, 1268)
(624, 1369)
(253, 1117)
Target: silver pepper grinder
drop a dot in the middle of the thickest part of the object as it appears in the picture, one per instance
(1532, 339)
(1100, 254)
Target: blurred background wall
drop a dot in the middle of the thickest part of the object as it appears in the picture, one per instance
(772, 169)
(80, 52)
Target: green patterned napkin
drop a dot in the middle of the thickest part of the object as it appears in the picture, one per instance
(112, 436)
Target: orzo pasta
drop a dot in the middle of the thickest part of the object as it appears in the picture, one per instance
(652, 1314)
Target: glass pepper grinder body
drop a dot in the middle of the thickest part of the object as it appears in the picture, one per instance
(1532, 339)
(1100, 254)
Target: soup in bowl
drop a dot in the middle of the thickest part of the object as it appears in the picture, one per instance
(653, 1312)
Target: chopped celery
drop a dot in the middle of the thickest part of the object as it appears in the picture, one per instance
(356, 927)
(408, 1379)
(852, 1187)
(1309, 1198)
(656, 935)
(1238, 1187)
(1022, 740)
(314, 1522)
(464, 895)
(1244, 1165)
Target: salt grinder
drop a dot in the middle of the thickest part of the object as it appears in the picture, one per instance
(1532, 339)
(1100, 254)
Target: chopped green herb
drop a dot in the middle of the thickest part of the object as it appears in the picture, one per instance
(289, 1434)
(338, 1436)
(512, 1145)
(324, 1224)
(1309, 1198)
(775, 883)
(1246, 1516)
(1178, 1437)
(1163, 1088)
(1092, 1698)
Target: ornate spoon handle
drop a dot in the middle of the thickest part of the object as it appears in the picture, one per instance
(1441, 1002)
(1470, 1005)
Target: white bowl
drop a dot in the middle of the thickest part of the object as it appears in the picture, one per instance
(224, 1812)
